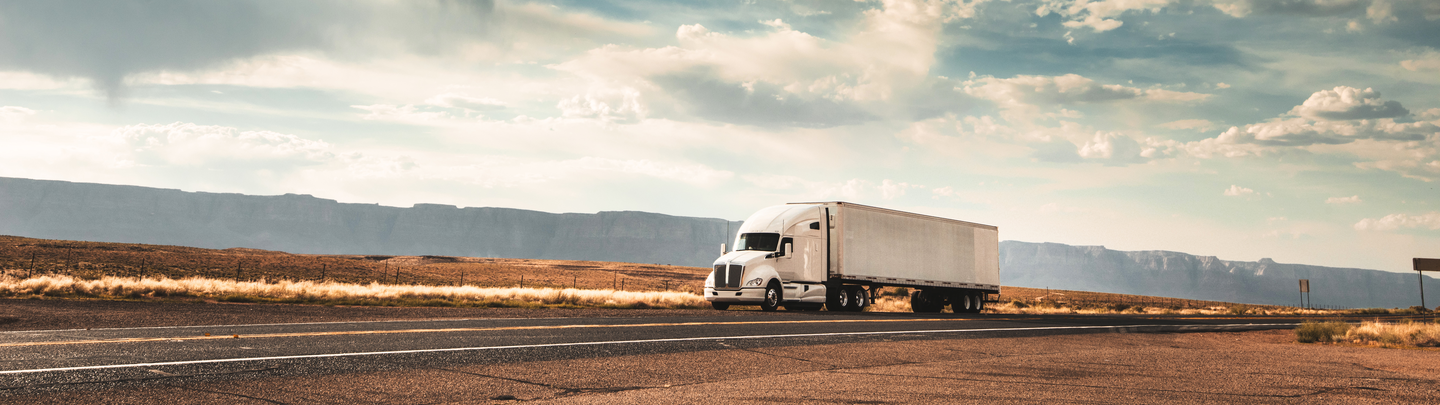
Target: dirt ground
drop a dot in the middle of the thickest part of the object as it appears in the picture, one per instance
(1239, 367)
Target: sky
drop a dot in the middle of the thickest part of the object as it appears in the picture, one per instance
(1306, 131)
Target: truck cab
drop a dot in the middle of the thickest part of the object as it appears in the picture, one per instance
(779, 258)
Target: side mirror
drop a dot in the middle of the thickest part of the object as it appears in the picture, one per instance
(722, 249)
(789, 249)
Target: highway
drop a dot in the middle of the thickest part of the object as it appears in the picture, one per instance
(79, 360)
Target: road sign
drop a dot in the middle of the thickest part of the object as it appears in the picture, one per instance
(1427, 264)
(1304, 285)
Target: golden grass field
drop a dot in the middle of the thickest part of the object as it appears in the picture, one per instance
(20, 257)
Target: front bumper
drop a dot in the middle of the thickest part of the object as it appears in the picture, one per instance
(752, 295)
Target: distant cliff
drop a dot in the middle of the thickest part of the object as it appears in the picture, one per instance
(1180, 275)
(305, 224)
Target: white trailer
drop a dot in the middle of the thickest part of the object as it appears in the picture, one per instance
(836, 255)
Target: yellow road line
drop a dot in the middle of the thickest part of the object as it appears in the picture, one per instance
(506, 328)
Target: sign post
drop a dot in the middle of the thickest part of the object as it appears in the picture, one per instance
(1304, 291)
(1421, 266)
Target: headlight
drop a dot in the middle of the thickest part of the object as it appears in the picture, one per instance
(754, 282)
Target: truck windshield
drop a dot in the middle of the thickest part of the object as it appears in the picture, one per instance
(759, 241)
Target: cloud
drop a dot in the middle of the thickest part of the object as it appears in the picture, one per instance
(189, 145)
(1392, 222)
(783, 77)
(13, 114)
(1195, 124)
(1023, 91)
(463, 101)
(1348, 103)
(1340, 116)
(409, 113)
(1428, 61)
(1237, 191)
(1354, 199)
(1099, 16)
(109, 42)
(609, 106)
(1307, 8)
(1112, 147)
(1303, 132)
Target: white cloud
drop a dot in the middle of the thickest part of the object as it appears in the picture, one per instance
(1112, 146)
(410, 113)
(1348, 103)
(1428, 61)
(1392, 222)
(463, 101)
(1025, 91)
(782, 77)
(607, 106)
(1237, 191)
(189, 145)
(1343, 120)
(1100, 15)
(1354, 199)
(1195, 124)
(14, 114)
(1243, 8)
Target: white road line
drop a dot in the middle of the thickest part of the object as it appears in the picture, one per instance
(616, 342)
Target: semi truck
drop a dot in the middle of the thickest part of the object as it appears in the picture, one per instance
(838, 255)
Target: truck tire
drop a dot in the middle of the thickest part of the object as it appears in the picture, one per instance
(924, 301)
(837, 299)
(720, 306)
(979, 302)
(772, 297)
(858, 299)
(964, 303)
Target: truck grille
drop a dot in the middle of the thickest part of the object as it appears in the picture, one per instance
(727, 276)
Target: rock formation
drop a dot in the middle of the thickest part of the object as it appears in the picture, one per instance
(305, 224)
(1180, 275)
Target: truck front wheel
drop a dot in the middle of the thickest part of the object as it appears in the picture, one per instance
(772, 298)
(720, 306)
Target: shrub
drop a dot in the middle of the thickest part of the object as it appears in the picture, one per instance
(1311, 332)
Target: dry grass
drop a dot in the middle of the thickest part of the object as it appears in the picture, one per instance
(1404, 334)
(337, 293)
(23, 257)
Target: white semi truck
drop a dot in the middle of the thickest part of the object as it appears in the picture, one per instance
(836, 255)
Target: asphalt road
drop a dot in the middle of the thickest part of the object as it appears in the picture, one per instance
(51, 361)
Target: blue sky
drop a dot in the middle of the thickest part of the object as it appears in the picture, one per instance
(1307, 131)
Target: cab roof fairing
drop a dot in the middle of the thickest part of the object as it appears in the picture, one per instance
(770, 219)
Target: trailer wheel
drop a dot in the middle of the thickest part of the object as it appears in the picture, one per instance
(925, 301)
(772, 297)
(838, 299)
(979, 302)
(720, 306)
(858, 300)
(965, 303)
